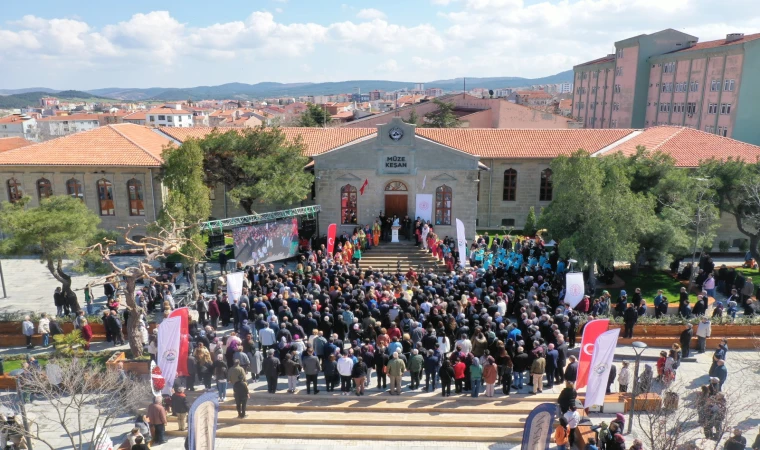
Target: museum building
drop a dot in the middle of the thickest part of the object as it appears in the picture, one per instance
(488, 178)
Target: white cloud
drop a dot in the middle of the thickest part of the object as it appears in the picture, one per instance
(454, 38)
(389, 66)
(370, 14)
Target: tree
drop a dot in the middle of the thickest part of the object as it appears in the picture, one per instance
(188, 201)
(164, 241)
(257, 165)
(443, 116)
(529, 229)
(413, 119)
(490, 93)
(314, 116)
(730, 179)
(594, 214)
(58, 228)
(83, 405)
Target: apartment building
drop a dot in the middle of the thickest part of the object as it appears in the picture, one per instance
(55, 126)
(668, 78)
(169, 116)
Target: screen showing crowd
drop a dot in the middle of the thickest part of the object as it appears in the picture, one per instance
(267, 242)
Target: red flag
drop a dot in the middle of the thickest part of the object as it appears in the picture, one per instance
(591, 332)
(184, 340)
(364, 186)
(331, 231)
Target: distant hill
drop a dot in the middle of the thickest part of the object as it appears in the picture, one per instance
(245, 91)
(33, 98)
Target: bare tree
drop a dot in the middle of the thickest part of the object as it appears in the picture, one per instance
(166, 241)
(79, 398)
(674, 426)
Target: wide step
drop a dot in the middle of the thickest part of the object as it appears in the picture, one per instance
(329, 417)
(368, 432)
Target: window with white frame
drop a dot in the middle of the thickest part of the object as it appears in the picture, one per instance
(714, 85)
(620, 53)
(712, 108)
(728, 85)
(694, 86)
(710, 129)
(619, 71)
(725, 108)
(615, 106)
(617, 88)
(691, 107)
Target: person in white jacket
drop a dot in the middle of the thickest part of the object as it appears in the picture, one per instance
(345, 366)
(704, 330)
(43, 328)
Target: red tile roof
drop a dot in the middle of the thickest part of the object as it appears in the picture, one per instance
(719, 43)
(522, 143)
(688, 146)
(167, 110)
(139, 115)
(10, 143)
(69, 118)
(122, 144)
(13, 118)
(317, 140)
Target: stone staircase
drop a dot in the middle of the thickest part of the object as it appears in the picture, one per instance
(386, 256)
(376, 416)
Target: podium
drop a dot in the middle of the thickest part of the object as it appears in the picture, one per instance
(394, 233)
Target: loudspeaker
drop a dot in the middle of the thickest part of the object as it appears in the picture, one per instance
(215, 240)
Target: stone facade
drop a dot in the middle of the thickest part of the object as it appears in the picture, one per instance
(495, 212)
(436, 164)
(28, 177)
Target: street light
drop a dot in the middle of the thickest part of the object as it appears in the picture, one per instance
(638, 348)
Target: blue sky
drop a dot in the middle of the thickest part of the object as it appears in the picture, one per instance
(138, 43)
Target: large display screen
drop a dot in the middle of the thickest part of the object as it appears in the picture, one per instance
(256, 244)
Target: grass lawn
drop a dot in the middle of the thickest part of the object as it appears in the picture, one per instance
(748, 273)
(649, 281)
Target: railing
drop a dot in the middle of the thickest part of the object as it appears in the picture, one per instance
(220, 224)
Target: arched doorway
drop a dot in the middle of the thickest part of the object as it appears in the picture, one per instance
(396, 199)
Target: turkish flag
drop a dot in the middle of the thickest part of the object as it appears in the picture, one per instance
(184, 340)
(591, 332)
(331, 231)
(364, 186)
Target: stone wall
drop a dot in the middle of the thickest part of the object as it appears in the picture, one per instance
(88, 177)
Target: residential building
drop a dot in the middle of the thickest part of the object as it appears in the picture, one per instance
(530, 98)
(47, 102)
(565, 88)
(170, 116)
(566, 107)
(55, 126)
(668, 78)
(433, 92)
(19, 125)
(137, 118)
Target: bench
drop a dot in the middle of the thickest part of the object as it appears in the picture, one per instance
(582, 435)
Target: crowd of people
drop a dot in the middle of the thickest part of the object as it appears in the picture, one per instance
(332, 324)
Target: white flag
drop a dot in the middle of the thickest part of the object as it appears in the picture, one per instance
(234, 286)
(461, 243)
(168, 350)
(599, 372)
(424, 179)
(575, 288)
(424, 207)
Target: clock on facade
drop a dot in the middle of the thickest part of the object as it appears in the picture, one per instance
(396, 133)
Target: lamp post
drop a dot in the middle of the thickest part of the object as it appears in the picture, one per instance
(638, 348)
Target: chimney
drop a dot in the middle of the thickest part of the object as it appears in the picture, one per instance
(731, 37)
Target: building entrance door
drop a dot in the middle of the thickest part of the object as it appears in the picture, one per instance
(396, 204)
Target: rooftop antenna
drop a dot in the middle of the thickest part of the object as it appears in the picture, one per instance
(464, 86)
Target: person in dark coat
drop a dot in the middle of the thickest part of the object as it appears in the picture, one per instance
(685, 339)
(552, 362)
(271, 370)
(611, 379)
(192, 368)
(224, 312)
(567, 397)
(446, 372)
(113, 324)
(240, 390)
(630, 317)
(571, 371)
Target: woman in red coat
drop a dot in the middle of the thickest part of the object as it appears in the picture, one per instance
(86, 333)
